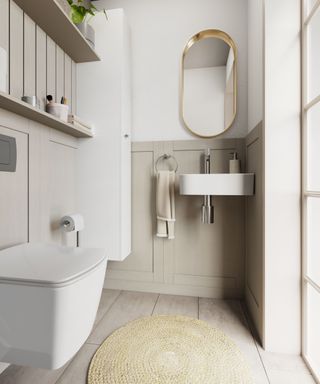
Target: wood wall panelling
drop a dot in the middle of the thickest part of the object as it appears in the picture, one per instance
(4, 29)
(254, 231)
(61, 190)
(41, 66)
(16, 50)
(220, 257)
(29, 59)
(68, 79)
(42, 190)
(205, 260)
(73, 87)
(37, 66)
(14, 195)
(38, 137)
(59, 74)
(33, 198)
(51, 67)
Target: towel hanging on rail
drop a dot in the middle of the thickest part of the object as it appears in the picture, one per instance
(165, 204)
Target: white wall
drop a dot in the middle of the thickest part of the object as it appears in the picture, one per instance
(282, 176)
(160, 30)
(255, 62)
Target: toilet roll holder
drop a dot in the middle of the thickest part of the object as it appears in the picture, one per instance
(70, 225)
(65, 224)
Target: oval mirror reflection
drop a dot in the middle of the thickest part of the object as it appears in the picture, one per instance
(208, 92)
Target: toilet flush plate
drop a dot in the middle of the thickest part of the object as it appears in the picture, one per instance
(217, 184)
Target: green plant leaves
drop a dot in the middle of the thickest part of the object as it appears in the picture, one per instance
(79, 12)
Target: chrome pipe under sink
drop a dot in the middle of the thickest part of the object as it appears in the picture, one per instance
(207, 209)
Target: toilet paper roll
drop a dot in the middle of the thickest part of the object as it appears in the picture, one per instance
(3, 70)
(73, 222)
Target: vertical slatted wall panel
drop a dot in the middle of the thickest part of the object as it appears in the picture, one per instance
(36, 65)
(4, 31)
(59, 74)
(41, 66)
(68, 78)
(74, 87)
(51, 67)
(29, 77)
(16, 50)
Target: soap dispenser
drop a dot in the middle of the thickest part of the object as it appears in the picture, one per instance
(234, 163)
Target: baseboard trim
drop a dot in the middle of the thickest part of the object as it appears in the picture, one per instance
(171, 289)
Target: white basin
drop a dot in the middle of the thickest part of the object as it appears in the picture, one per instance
(223, 184)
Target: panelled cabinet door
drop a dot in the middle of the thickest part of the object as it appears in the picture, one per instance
(104, 163)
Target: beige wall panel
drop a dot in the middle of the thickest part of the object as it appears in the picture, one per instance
(68, 79)
(220, 246)
(254, 231)
(14, 195)
(59, 191)
(13, 121)
(29, 88)
(38, 139)
(143, 199)
(74, 87)
(42, 190)
(51, 67)
(41, 60)
(4, 30)
(16, 50)
(206, 260)
(59, 74)
(254, 226)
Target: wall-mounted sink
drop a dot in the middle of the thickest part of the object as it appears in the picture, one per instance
(223, 184)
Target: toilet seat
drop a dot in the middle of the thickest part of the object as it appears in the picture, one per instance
(49, 297)
(47, 265)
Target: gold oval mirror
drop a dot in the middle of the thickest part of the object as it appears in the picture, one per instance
(208, 83)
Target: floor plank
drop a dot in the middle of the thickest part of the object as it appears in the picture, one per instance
(284, 377)
(128, 306)
(177, 305)
(24, 375)
(282, 368)
(108, 297)
(76, 372)
(118, 308)
(279, 361)
(227, 315)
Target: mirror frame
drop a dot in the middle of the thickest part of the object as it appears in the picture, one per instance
(197, 37)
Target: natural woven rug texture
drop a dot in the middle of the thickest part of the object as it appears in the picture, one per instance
(168, 350)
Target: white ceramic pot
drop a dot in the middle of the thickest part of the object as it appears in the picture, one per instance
(60, 111)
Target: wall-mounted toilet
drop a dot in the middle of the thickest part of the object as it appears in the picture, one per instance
(49, 296)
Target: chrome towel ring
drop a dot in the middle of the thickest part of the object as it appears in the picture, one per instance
(165, 156)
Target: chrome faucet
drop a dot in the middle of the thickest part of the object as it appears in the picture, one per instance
(207, 209)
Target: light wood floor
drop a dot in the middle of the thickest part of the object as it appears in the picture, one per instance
(119, 307)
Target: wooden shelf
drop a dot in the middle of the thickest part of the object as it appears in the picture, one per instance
(49, 15)
(21, 108)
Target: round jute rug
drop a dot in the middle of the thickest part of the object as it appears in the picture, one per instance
(168, 350)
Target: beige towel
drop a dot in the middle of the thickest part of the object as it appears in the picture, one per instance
(166, 215)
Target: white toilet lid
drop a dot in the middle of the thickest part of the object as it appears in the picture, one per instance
(47, 264)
